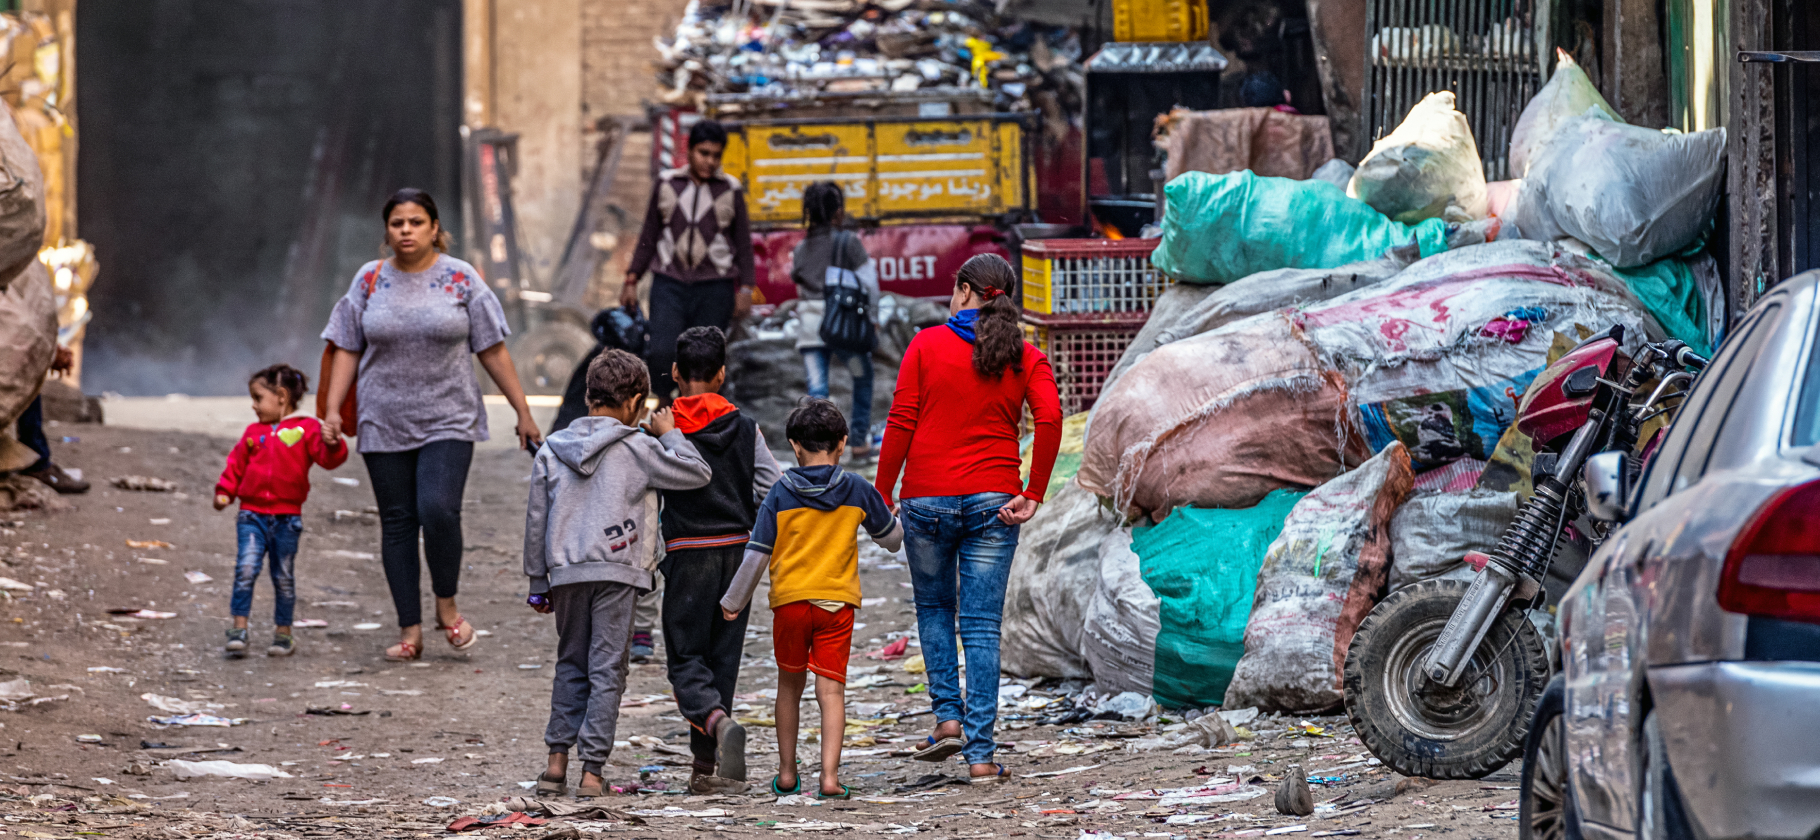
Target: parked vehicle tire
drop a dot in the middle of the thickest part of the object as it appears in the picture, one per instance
(1545, 808)
(1417, 729)
(1661, 814)
(548, 354)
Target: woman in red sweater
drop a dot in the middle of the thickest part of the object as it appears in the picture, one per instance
(953, 433)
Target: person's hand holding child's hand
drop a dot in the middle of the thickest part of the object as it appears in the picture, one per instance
(663, 422)
(222, 500)
(728, 614)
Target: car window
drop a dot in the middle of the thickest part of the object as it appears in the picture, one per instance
(1725, 395)
(1658, 482)
(1807, 405)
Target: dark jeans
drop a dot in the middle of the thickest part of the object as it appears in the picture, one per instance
(31, 433)
(593, 645)
(816, 362)
(419, 490)
(960, 559)
(677, 306)
(265, 535)
(702, 647)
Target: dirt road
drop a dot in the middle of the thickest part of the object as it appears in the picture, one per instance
(467, 726)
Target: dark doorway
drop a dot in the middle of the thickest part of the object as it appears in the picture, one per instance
(1798, 135)
(235, 154)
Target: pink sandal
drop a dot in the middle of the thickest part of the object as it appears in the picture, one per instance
(406, 652)
(454, 631)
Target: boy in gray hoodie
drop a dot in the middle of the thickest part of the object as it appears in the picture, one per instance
(591, 540)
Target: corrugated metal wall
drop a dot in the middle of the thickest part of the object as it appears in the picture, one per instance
(1485, 51)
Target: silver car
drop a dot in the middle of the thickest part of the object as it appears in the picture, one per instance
(1688, 703)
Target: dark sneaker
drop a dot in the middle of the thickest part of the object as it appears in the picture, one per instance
(642, 647)
(55, 478)
(703, 784)
(282, 645)
(236, 643)
(730, 748)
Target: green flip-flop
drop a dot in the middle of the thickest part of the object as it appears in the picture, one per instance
(845, 792)
(778, 791)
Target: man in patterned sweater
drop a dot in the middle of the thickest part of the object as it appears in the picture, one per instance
(697, 244)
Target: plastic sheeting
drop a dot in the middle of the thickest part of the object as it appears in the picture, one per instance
(1319, 579)
(1057, 567)
(1220, 420)
(1430, 535)
(1634, 195)
(1220, 228)
(1264, 140)
(1428, 164)
(1567, 95)
(1120, 636)
(1203, 567)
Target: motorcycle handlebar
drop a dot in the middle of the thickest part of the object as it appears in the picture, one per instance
(1686, 357)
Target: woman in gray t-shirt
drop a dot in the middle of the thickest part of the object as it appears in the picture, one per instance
(405, 329)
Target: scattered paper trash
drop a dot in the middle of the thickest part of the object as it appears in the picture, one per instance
(1081, 769)
(16, 689)
(153, 561)
(136, 612)
(439, 801)
(529, 666)
(160, 521)
(196, 719)
(147, 544)
(197, 577)
(345, 554)
(347, 482)
(144, 484)
(89, 739)
(175, 706)
(426, 760)
(15, 585)
(105, 669)
(367, 625)
(309, 622)
(102, 781)
(228, 769)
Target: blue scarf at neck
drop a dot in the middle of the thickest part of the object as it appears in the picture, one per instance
(963, 322)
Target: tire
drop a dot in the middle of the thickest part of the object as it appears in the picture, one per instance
(1661, 813)
(1545, 808)
(548, 354)
(1467, 732)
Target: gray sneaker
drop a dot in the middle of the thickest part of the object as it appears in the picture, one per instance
(236, 643)
(282, 645)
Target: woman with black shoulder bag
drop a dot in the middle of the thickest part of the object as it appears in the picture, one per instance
(837, 291)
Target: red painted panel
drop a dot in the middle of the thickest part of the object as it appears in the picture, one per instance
(914, 260)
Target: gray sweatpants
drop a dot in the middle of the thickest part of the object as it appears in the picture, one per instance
(594, 641)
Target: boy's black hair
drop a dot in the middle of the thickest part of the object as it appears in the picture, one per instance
(816, 426)
(284, 379)
(707, 131)
(1261, 89)
(616, 376)
(701, 352)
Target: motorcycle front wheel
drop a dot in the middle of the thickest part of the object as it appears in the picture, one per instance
(1418, 728)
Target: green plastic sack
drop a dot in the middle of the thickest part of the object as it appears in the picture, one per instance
(1670, 293)
(1203, 565)
(1220, 228)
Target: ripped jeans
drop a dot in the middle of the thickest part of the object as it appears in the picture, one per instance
(262, 535)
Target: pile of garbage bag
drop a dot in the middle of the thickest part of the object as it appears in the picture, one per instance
(1323, 410)
(785, 48)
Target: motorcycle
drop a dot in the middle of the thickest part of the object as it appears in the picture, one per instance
(1443, 676)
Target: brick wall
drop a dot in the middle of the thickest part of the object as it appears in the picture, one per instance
(617, 78)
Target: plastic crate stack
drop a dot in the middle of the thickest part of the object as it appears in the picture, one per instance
(1084, 300)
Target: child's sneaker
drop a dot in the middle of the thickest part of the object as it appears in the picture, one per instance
(282, 645)
(236, 643)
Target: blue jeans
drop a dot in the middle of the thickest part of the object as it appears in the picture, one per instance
(960, 558)
(859, 421)
(263, 534)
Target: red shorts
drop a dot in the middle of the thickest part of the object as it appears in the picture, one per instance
(809, 638)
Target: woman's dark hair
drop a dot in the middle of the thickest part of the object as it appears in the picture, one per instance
(285, 380)
(413, 195)
(616, 376)
(707, 131)
(998, 339)
(816, 426)
(823, 202)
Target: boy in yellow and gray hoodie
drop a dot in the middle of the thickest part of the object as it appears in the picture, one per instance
(807, 535)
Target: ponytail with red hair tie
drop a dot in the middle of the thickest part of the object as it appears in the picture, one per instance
(988, 293)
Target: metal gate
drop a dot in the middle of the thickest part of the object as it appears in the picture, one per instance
(1485, 51)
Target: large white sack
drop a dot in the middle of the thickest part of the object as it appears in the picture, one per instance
(1430, 162)
(1120, 636)
(28, 342)
(1431, 534)
(1053, 575)
(21, 202)
(1567, 95)
(1633, 194)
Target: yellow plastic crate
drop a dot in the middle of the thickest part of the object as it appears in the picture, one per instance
(1159, 20)
(1091, 277)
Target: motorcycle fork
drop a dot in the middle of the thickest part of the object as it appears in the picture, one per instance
(1515, 569)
